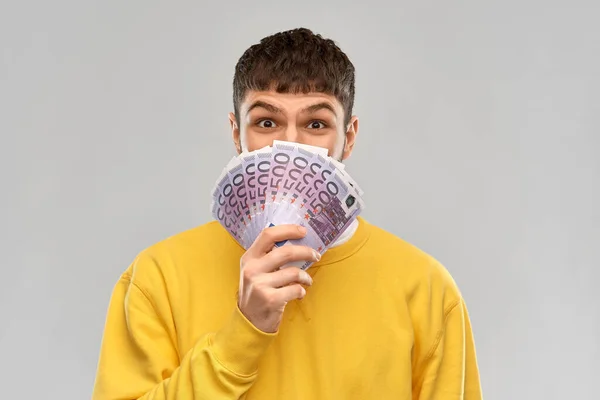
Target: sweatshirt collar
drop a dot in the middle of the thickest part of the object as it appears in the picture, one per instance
(348, 248)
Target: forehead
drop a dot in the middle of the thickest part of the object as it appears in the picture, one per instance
(290, 102)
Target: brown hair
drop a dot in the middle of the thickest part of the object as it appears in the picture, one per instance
(295, 61)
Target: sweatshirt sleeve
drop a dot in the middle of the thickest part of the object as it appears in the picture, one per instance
(450, 371)
(139, 360)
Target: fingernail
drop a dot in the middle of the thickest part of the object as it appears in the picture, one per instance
(317, 255)
(302, 229)
(307, 277)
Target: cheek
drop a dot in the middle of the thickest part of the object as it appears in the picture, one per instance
(329, 142)
(254, 142)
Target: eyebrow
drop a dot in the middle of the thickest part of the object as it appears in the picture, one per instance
(310, 109)
(266, 106)
(319, 106)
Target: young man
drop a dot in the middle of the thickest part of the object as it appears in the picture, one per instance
(196, 317)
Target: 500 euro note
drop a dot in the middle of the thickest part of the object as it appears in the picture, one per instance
(332, 208)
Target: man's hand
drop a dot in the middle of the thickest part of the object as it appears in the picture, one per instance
(264, 288)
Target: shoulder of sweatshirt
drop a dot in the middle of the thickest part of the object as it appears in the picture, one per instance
(205, 244)
(419, 272)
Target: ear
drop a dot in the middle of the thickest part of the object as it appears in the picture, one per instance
(235, 132)
(351, 132)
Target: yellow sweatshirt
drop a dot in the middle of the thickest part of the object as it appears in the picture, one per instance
(382, 320)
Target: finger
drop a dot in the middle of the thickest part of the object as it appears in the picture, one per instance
(269, 236)
(284, 255)
(289, 293)
(288, 276)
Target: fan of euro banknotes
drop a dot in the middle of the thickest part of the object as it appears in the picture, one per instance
(286, 183)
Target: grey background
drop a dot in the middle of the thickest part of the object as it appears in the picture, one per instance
(478, 142)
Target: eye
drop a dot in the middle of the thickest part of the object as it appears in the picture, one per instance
(316, 125)
(266, 123)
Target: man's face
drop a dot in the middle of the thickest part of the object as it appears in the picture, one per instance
(315, 119)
